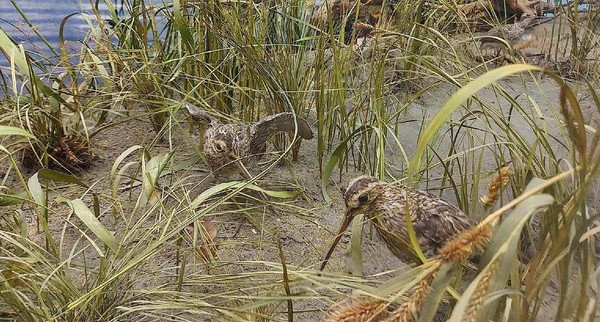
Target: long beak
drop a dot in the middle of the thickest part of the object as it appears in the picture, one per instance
(347, 220)
(246, 174)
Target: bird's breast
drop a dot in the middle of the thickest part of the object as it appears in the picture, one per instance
(241, 146)
(390, 218)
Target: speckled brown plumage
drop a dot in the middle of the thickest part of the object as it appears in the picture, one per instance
(335, 8)
(230, 147)
(434, 220)
(512, 33)
(353, 15)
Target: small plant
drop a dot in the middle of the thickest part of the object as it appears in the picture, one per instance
(52, 120)
(55, 109)
(53, 148)
(583, 39)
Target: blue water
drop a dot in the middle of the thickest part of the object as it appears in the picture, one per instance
(46, 16)
(580, 8)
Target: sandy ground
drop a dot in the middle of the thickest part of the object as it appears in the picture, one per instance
(307, 232)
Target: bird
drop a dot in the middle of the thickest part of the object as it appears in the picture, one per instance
(344, 13)
(434, 220)
(335, 9)
(511, 33)
(367, 29)
(230, 148)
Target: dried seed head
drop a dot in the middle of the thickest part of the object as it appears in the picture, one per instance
(408, 311)
(363, 310)
(476, 301)
(495, 186)
(459, 248)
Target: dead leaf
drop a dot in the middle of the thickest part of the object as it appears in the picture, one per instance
(13, 279)
(208, 232)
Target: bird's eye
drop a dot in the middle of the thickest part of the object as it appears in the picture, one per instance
(363, 198)
(218, 147)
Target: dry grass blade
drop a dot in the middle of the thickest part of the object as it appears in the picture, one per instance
(574, 121)
(286, 282)
(500, 257)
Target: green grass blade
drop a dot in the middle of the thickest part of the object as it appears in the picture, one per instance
(88, 218)
(355, 244)
(456, 100)
(335, 157)
(13, 53)
(59, 176)
(225, 186)
(150, 173)
(11, 130)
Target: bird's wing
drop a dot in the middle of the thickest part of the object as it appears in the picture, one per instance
(199, 114)
(282, 122)
(492, 34)
(436, 219)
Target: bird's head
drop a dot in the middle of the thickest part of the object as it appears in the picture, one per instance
(359, 197)
(373, 18)
(527, 16)
(360, 194)
(219, 145)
